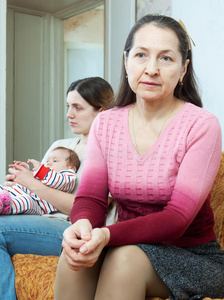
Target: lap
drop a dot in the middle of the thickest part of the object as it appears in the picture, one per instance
(128, 266)
(32, 234)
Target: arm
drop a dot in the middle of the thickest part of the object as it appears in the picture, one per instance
(64, 180)
(61, 200)
(92, 197)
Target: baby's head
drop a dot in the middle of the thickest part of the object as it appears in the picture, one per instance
(63, 159)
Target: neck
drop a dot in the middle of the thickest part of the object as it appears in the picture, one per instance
(149, 110)
(84, 139)
(80, 148)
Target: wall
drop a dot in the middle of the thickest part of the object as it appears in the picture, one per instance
(204, 22)
(34, 83)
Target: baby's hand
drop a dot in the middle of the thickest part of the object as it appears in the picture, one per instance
(36, 164)
(21, 163)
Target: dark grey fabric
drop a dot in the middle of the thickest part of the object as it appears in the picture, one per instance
(190, 272)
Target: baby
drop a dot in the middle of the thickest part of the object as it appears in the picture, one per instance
(59, 172)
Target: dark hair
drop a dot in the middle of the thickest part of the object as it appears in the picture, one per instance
(73, 159)
(188, 91)
(95, 90)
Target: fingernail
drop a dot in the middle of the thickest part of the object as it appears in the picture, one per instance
(83, 249)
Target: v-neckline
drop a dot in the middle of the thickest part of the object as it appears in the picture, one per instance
(158, 140)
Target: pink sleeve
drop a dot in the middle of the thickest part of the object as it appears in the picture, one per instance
(91, 199)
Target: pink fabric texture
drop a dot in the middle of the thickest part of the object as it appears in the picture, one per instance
(162, 196)
(5, 202)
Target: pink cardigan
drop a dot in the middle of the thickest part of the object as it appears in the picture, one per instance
(163, 196)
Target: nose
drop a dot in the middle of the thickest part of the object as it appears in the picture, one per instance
(48, 164)
(152, 67)
(69, 114)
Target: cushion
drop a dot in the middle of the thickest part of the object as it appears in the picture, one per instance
(35, 276)
(217, 203)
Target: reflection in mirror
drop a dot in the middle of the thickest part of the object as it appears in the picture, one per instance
(83, 49)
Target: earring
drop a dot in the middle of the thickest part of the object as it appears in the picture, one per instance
(126, 76)
(180, 82)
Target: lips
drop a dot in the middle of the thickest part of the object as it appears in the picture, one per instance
(151, 83)
(72, 123)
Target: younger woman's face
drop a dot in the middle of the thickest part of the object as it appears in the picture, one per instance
(80, 113)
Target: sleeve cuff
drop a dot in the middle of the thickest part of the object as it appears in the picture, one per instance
(41, 172)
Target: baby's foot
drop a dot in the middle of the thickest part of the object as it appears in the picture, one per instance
(5, 202)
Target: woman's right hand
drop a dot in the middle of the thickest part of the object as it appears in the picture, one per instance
(82, 245)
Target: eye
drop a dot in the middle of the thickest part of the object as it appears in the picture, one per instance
(78, 108)
(166, 58)
(140, 55)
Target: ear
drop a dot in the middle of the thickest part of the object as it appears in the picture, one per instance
(125, 62)
(101, 109)
(73, 168)
(184, 69)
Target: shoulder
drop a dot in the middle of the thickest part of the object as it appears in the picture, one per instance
(200, 123)
(114, 111)
(67, 143)
(109, 123)
(112, 115)
(69, 172)
(194, 117)
(196, 112)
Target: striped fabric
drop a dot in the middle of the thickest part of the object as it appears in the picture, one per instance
(23, 201)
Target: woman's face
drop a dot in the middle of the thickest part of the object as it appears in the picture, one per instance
(80, 113)
(154, 64)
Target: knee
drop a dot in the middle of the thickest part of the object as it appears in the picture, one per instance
(126, 259)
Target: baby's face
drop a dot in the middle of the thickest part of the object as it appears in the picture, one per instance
(57, 160)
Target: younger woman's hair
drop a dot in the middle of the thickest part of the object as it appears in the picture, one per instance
(72, 159)
(188, 91)
(95, 90)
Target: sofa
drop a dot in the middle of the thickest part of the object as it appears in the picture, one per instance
(35, 274)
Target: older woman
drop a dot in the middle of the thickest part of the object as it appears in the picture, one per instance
(157, 153)
(42, 235)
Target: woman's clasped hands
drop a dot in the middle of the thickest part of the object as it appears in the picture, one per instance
(83, 245)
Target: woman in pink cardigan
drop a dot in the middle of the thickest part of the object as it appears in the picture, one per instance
(157, 153)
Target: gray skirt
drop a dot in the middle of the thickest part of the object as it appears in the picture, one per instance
(191, 272)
